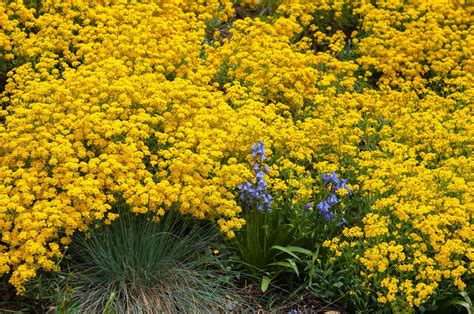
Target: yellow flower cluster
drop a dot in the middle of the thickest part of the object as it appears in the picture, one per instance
(104, 110)
(414, 158)
(419, 44)
(137, 101)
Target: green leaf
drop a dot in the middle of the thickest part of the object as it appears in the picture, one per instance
(461, 303)
(265, 282)
(299, 250)
(338, 284)
(293, 265)
(289, 264)
(290, 250)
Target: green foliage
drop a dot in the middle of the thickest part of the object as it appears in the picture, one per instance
(136, 265)
(262, 231)
(52, 291)
(10, 302)
(48, 292)
(259, 246)
(451, 303)
(282, 250)
(465, 302)
(334, 280)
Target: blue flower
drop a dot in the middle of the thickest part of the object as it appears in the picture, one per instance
(331, 178)
(258, 150)
(255, 193)
(332, 199)
(324, 207)
(329, 216)
(336, 182)
(261, 185)
(259, 175)
(342, 185)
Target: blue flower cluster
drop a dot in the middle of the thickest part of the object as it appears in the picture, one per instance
(335, 182)
(325, 205)
(256, 193)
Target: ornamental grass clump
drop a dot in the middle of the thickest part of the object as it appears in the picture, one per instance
(136, 265)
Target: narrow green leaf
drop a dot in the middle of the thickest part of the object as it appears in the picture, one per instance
(286, 250)
(288, 264)
(299, 250)
(293, 265)
(265, 282)
(461, 303)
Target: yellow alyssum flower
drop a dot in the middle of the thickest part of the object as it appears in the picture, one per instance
(134, 99)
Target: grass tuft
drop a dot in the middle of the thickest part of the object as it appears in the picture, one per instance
(138, 266)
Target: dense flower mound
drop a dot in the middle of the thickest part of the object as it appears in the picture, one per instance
(158, 103)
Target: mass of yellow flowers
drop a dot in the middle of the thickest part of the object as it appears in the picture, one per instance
(157, 102)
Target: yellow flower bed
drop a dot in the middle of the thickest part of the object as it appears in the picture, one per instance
(136, 100)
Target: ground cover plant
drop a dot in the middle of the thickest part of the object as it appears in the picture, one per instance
(334, 136)
(137, 265)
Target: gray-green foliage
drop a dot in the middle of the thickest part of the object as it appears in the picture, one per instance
(138, 266)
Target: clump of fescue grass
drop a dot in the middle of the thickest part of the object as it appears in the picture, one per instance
(136, 265)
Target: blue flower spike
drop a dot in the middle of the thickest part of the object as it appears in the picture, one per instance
(336, 184)
(255, 193)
